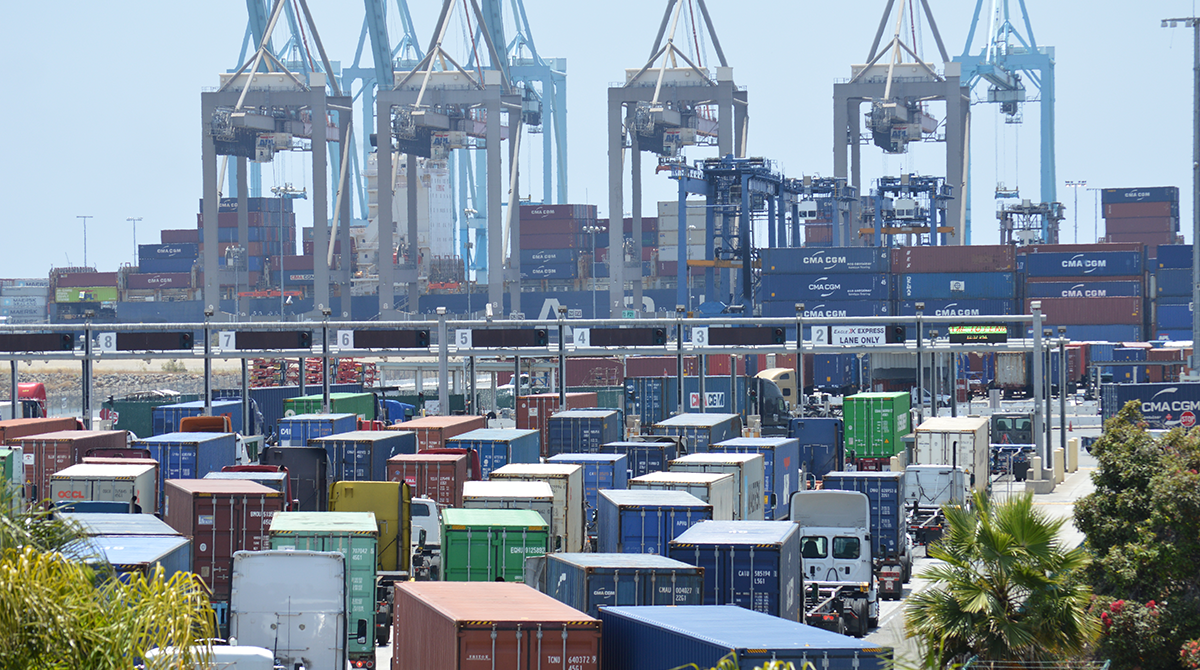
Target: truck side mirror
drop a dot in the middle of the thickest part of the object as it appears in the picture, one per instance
(421, 538)
(362, 631)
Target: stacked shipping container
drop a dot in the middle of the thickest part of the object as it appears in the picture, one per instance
(272, 234)
(556, 243)
(1145, 215)
(829, 281)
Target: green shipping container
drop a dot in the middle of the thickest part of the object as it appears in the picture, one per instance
(876, 424)
(362, 404)
(355, 536)
(479, 545)
(136, 413)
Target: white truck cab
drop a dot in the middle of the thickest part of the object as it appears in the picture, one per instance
(426, 519)
(835, 551)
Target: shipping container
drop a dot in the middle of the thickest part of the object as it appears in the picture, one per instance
(499, 447)
(308, 475)
(536, 496)
(836, 373)
(886, 492)
(875, 424)
(974, 258)
(962, 442)
(362, 455)
(161, 251)
(826, 308)
(464, 626)
(716, 489)
(180, 235)
(221, 518)
(139, 554)
(1174, 256)
(748, 473)
(659, 366)
(751, 564)
(653, 638)
(189, 455)
(1084, 264)
(1124, 210)
(1104, 332)
(1112, 196)
(797, 288)
(118, 524)
(1173, 282)
(549, 256)
(645, 521)
(1163, 406)
(534, 412)
(166, 417)
(822, 446)
(781, 469)
(391, 504)
(565, 213)
(577, 431)
(962, 307)
(588, 582)
(12, 429)
(276, 481)
(86, 280)
(157, 281)
(47, 453)
(957, 285)
(134, 485)
(434, 432)
(1088, 289)
(362, 404)
(1173, 317)
(298, 429)
(1071, 311)
(700, 430)
(644, 457)
(439, 477)
(566, 481)
(355, 536)
(600, 471)
(839, 260)
(487, 544)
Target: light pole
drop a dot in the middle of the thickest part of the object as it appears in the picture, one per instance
(1095, 212)
(233, 256)
(1194, 24)
(134, 220)
(1075, 186)
(593, 231)
(85, 217)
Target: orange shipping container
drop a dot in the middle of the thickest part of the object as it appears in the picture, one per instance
(433, 431)
(436, 476)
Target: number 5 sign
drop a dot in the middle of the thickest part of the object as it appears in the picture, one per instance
(462, 338)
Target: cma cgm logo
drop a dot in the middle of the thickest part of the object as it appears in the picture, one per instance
(825, 287)
(829, 261)
(1078, 291)
(1078, 261)
(1138, 194)
(1156, 406)
(820, 311)
(954, 310)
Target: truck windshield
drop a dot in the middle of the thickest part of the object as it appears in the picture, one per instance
(815, 546)
(846, 547)
(420, 510)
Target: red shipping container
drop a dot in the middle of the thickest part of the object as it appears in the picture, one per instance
(982, 258)
(12, 429)
(1086, 311)
(1158, 224)
(1165, 373)
(1077, 248)
(181, 236)
(818, 234)
(292, 263)
(479, 625)
(157, 280)
(556, 241)
(1133, 210)
(659, 366)
(433, 431)
(437, 476)
(47, 453)
(221, 517)
(534, 412)
(719, 366)
(551, 227)
(649, 224)
(473, 468)
(667, 269)
(595, 372)
(254, 219)
(86, 279)
(1150, 239)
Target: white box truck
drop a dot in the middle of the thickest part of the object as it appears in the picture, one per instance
(133, 484)
(960, 442)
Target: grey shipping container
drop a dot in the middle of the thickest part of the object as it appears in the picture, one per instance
(701, 430)
(308, 474)
(590, 581)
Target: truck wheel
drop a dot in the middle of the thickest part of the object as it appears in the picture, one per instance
(861, 612)
(382, 637)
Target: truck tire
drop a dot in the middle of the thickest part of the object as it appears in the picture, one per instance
(861, 613)
(382, 636)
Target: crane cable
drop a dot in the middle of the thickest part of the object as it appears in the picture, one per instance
(695, 37)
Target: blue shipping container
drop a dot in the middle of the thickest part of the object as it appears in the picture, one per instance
(1162, 405)
(835, 372)
(550, 271)
(1084, 264)
(751, 564)
(139, 554)
(1105, 332)
(837, 308)
(361, 455)
(269, 402)
(120, 524)
(645, 522)
(1173, 282)
(1113, 196)
(1170, 335)
(188, 456)
(701, 430)
(588, 582)
(1174, 256)
(297, 430)
(885, 491)
(600, 472)
(647, 399)
(822, 445)
(824, 287)
(499, 447)
(644, 457)
(957, 285)
(165, 418)
(536, 257)
(960, 307)
(838, 260)
(164, 265)
(1089, 289)
(582, 431)
(781, 469)
(183, 250)
(1174, 317)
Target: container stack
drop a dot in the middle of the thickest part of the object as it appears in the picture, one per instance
(24, 300)
(77, 291)
(1146, 215)
(1173, 292)
(165, 272)
(272, 234)
(1089, 311)
(829, 281)
(667, 240)
(955, 280)
(555, 249)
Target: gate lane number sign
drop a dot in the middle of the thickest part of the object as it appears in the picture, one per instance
(850, 336)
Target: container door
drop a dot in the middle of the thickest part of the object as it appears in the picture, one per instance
(216, 525)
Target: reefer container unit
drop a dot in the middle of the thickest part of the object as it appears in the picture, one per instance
(840, 260)
(875, 423)
(1084, 264)
(140, 554)
(134, 485)
(391, 504)
(355, 536)
(822, 446)
(308, 474)
(360, 404)
(467, 626)
(297, 430)
(436, 476)
(434, 432)
(600, 471)
(534, 412)
(886, 493)
(644, 522)
(644, 457)
(751, 564)
(362, 455)
(973, 258)
(47, 453)
(653, 638)
(701, 430)
(189, 455)
(588, 582)
(566, 480)
(716, 489)
(221, 518)
(537, 496)
(582, 431)
(781, 469)
(13, 429)
(482, 545)
(749, 474)
(165, 418)
(499, 447)
(935, 445)
(94, 523)
(957, 285)
(1163, 406)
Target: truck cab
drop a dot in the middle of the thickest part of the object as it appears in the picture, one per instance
(1012, 428)
(836, 555)
(427, 524)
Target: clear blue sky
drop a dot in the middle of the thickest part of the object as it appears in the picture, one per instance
(103, 111)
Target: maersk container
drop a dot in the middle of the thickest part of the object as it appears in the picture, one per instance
(166, 417)
(499, 447)
(1164, 406)
(963, 441)
(297, 430)
(485, 545)
(1083, 289)
(957, 285)
(134, 485)
(1174, 256)
(822, 446)
(582, 431)
(1084, 264)
(566, 481)
(837, 260)
(886, 493)
(361, 455)
(875, 423)
(796, 287)
(751, 564)
(188, 455)
(781, 469)
(308, 474)
(653, 638)
(749, 476)
(701, 430)
(588, 582)
(644, 522)
(119, 524)
(141, 554)
(361, 404)
(644, 457)
(716, 489)
(600, 471)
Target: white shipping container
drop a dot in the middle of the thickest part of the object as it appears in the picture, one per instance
(1010, 370)
(671, 238)
(714, 488)
(671, 253)
(134, 484)
(962, 442)
(536, 496)
(566, 481)
(749, 478)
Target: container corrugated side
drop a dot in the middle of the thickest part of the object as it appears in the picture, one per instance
(189, 455)
(391, 503)
(582, 431)
(436, 476)
(600, 471)
(479, 545)
(886, 493)
(499, 447)
(434, 432)
(781, 469)
(297, 430)
(362, 455)
(644, 522)
(822, 444)
(308, 475)
(701, 430)
(644, 457)
(751, 564)
(140, 554)
(166, 417)
(590, 581)
(875, 423)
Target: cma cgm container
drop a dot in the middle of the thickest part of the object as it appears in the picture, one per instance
(582, 431)
(644, 457)
(588, 582)
(962, 441)
(436, 476)
(875, 423)
(748, 478)
(1084, 264)
(189, 455)
(220, 518)
(644, 522)
(46, 453)
(500, 446)
(600, 471)
(465, 626)
(751, 564)
(534, 412)
(355, 536)
(824, 287)
(652, 638)
(165, 418)
(839, 260)
(134, 485)
(362, 455)
(973, 258)
(141, 554)
(566, 480)
(435, 432)
(1163, 406)
(781, 470)
(482, 545)
(716, 489)
(700, 430)
(822, 445)
(297, 430)
(1087, 289)
(308, 475)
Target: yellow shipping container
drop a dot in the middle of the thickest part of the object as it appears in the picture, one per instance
(391, 503)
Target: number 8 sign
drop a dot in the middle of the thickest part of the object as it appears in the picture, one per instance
(106, 342)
